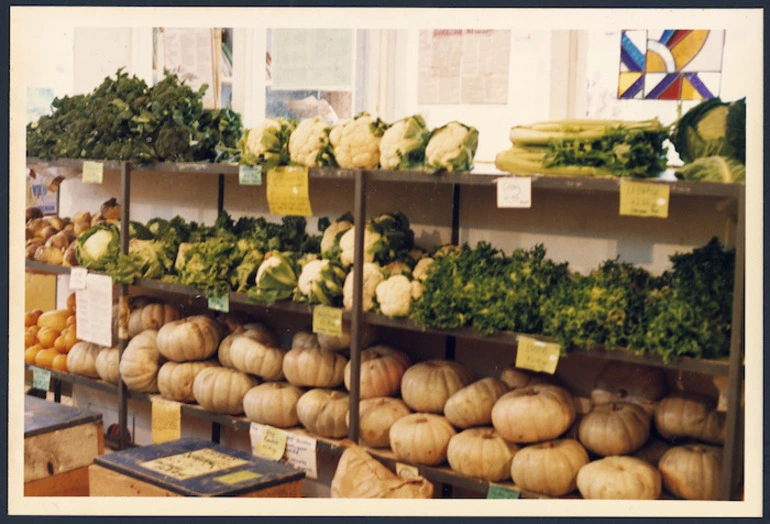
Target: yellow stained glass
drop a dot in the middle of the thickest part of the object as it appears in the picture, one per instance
(689, 46)
(689, 92)
(627, 79)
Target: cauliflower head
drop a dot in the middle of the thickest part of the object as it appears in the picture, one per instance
(330, 241)
(356, 142)
(267, 144)
(347, 245)
(452, 148)
(420, 272)
(373, 276)
(403, 144)
(394, 296)
(321, 282)
(309, 144)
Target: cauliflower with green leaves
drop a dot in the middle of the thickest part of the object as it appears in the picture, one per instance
(98, 247)
(267, 144)
(276, 278)
(396, 294)
(373, 276)
(356, 142)
(387, 237)
(403, 144)
(309, 144)
(330, 241)
(452, 148)
(321, 282)
(421, 269)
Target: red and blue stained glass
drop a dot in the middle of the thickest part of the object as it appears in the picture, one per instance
(675, 64)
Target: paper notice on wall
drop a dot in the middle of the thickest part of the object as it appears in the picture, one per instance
(189, 53)
(312, 59)
(94, 310)
(463, 66)
(300, 451)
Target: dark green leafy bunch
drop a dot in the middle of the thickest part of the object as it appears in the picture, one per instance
(509, 293)
(712, 128)
(219, 131)
(632, 152)
(449, 290)
(690, 313)
(604, 308)
(396, 237)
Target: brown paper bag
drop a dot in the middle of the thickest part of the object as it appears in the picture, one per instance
(358, 475)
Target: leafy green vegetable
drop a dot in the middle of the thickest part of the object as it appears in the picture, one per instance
(97, 248)
(145, 259)
(712, 128)
(207, 265)
(276, 278)
(713, 169)
(396, 237)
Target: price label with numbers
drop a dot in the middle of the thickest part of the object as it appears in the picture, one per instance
(250, 175)
(537, 356)
(288, 191)
(514, 192)
(166, 420)
(78, 277)
(327, 320)
(496, 491)
(41, 379)
(93, 172)
(642, 199)
(273, 443)
(220, 303)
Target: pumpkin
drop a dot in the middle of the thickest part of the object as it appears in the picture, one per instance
(520, 378)
(619, 478)
(481, 453)
(627, 382)
(254, 357)
(472, 405)
(254, 331)
(221, 390)
(376, 416)
(273, 403)
(151, 316)
(107, 365)
(175, 379)
(323, 412)
(192, 338)
(81, 360)
(690, 415)
(549, 468)
(421, 438)
(426, 386)
(692, 471)
(618, 428)
(533, 413)
(141, 361)
(304, 339)
(314, 367)
(382, 369)
(653, 451)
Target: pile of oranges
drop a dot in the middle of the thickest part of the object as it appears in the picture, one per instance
(49, 336)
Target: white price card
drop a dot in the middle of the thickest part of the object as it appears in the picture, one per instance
(514, 192)
(78, 278)
(94, 311)
(41, 379)
(93, 172)
(250, 175)
(300, 450)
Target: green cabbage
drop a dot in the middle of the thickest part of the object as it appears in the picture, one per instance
(712, 128)
(713, 169)
(98, 247)
(276, 278)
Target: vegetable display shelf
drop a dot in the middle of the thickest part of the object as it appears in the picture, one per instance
(732, 367)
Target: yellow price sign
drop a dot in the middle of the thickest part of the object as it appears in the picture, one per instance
(166, 421)
(327, 320)
(288, 191)
(239, 476)
(273, 443)
(93, 172)
(537, 356)
(642, 199)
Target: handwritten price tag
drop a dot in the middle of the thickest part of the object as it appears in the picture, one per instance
(237, 477)
(166, 420)
(93, 172)
(514, 192)
(220, 303)
(41, 379)
(327, 320)
(288, 191)
(643, 199)
(78, 277)
(496, 491)
(537, 356)
(250, 175)
(273, 443)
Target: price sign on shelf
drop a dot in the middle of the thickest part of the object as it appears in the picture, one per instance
(41, 379)
(514, 192)
(220, 303)
(299, 450)
(288, 191)
(78, 277)
(272, 445)
(93, 172)
(642, 199)
(250, 175)
(166, 420)
(496, 491)
(537, 356)
(327, 320)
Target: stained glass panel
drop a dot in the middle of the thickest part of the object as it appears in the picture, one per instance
(675, 64)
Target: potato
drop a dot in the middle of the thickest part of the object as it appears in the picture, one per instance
(56, 223)
(33, 212)
(81, 216)
(71, 256)
(81, 226)
(60, 241)
(49, 255)
(47, 232)
(110, 209)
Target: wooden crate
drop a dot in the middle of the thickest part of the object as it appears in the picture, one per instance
(60, 442)
(191, 468)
